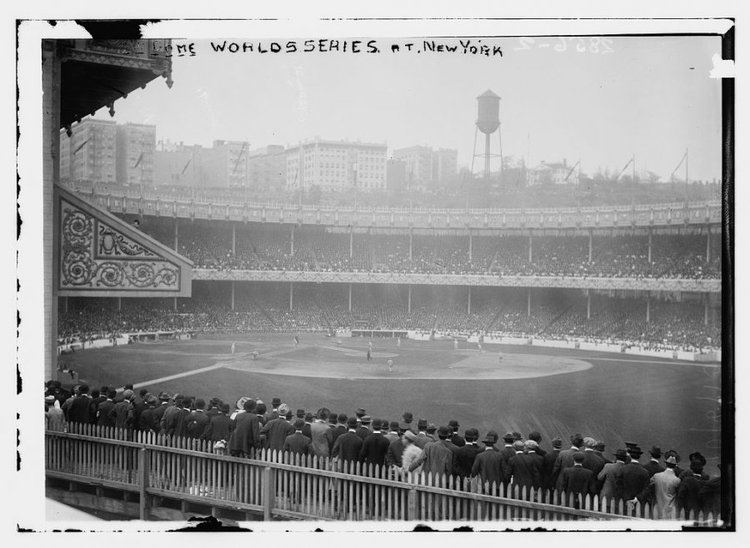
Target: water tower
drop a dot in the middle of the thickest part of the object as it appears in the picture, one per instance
(488, 122)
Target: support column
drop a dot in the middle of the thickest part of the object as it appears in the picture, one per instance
(119, 303)
(708, 244)
(350, 297)
(468, 302)
(176, 233)
(175, 304)
(531, 249)
(648, 309)
(705, 308)
(588, 304)
(591, 244)
(234, 239)
(351, 242)
(231, 299)
(408, 301)
(471, 246)
(528, 301)
(66, 303)
(50, 214)
(291, 242)
(411, 243)
(649, 245)
(291, 296)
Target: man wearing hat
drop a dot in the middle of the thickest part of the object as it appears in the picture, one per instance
(665, 485)
(549, 479)
(565, 458)
(524, 470)
(319, 430)
(394, 455)
(104, 411)
(146, 418)
(432, 433)
(634, 476)
(437, 457)
(577, 480)
(465, 456)
(363, 430)
(599, 450)
(537, 437)
(411, 452)
(393, 431)
(348, 445)
(307, 428)
(421, 438)
(611, 476)
(81, 408)
(123, 411)
(488, 465)
(375, 445)
(359, 413)
(274, 432)
(653, 466)
(456, 440)
(408, 421)
(274, 411)
(197, 421)
(690, 492)
(506, 453)
(245, 437)
(339, 429)
(218, 425)
(297, 443)
(591, 460)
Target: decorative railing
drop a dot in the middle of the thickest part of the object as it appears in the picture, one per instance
(644, 284)
(133, 201)
(293, 486)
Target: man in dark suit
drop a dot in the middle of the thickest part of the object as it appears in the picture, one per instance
(691, 492)
(348, 445)
(456, 440)
(363, 430)
(565, 458)
(197, 420)
(635, 478)
(465, 456)
(654, 466)
(506, 453)
(393, 457)
(549, 479)
(298, 443)
(591, 460)
(338, 430)
(245, 436)
(123, 412)
(307, 428)
(104, 418)
(146, 418)
(275, 432)
(375, 446)
(161, 407)
(217, 428)
(488, 465)
(537, 437)
(577, 481)
(524, 469)
(422, 437)
(82, 407)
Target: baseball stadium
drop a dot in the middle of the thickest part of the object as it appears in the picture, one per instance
(272, 356)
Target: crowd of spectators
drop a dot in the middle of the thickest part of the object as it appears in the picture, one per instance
(518, 463)
(315, 249)
(670, 325)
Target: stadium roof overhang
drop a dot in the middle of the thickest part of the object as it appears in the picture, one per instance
(95, 73)
(99, 255)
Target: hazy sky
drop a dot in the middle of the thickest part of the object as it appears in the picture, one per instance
(650, 96)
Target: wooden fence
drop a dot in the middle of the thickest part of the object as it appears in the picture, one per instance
(293, 486)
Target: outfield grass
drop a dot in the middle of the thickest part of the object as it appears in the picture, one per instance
(618, 399)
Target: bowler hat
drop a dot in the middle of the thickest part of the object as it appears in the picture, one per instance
(697, 457)
(508, 438)
(556, 443)
(360, 412)
(366, 419)
(490, 438)
(393, 426)
(453, 423)
(655, 451)
(298, 424)
(635, 452)
(275, 402)
(351, 422)
(300, 413)
(471, 434)
(408, 417)
(422, 423)
(517, 436)
(444, 432)
(376, 424)
(621, 454)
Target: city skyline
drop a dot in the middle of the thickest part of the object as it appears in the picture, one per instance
(649, 97)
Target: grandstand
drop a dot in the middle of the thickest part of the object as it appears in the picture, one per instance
(646, 276)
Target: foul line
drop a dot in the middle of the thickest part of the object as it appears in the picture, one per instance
(181, 375)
